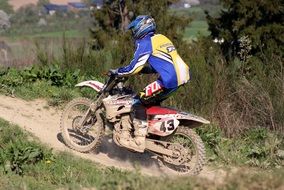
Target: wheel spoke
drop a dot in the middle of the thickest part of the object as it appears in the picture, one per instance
(191, 152)
(77, 136)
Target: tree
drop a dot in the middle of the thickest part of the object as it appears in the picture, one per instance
(260, 22)
(26, 15)
(112, 39)
(117, 14)
(40, 3)
(4, 21)
(5, 6)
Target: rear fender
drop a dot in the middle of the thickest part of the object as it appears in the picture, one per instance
(190, 120)
(96, 85)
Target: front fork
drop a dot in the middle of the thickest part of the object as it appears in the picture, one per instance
(85, 118)
(92, 109)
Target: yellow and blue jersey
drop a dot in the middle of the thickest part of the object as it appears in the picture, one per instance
(162, 57)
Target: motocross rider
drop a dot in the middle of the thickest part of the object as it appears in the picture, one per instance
(155, 53)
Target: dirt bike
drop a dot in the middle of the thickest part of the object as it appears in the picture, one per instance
(170, 136)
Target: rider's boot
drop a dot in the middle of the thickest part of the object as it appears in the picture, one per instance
(140, 126)
(138, 143)
(125, 131)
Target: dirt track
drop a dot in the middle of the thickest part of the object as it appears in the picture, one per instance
(43, 122)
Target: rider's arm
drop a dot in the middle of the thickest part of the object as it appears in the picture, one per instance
(138, 62)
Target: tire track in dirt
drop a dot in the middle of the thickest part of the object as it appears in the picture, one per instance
(43, 122)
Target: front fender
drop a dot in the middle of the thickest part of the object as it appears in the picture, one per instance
(96, 85)
(190, 120)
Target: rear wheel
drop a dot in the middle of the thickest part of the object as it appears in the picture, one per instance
(190, 153)
(80, 138)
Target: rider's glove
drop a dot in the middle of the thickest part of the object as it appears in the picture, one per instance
(113, 72)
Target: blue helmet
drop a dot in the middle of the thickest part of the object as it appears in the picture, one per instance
(141, 26)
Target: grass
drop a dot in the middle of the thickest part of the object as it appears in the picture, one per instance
(62, 170)
(256, 151)
(50, 38)
(59, 34)
(34, 90)
(197, 12)
(198, 26)
(55, 26)
(187, 12)
(56, 96)
(43, 89)
(53, 35)
(195, 29)
(257, 147)
(50, 43)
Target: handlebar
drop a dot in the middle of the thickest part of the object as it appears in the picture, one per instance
(112, 81)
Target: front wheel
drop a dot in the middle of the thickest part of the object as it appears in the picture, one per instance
(190, 153)
(82, 138)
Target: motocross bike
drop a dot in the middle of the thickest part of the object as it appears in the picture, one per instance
(170, 136)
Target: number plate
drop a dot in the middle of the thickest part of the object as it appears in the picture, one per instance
(163, 127)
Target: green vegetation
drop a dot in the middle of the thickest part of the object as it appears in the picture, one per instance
(5, 6)
(251, 60)
(26, 164)
(256, 147)
(236, 94)
(196, 29)
(73, 28)
(198, 26)
(43, 82)
(32, 21)
(104, 26)
(55, 34)
(237, 85)
(254, 26)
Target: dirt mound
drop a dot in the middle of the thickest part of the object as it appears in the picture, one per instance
(43, 122)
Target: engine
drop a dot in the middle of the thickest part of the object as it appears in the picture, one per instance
(117, 105)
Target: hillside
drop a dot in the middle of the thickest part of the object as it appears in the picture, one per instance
(19, 3)
(43, 122)
(59, 170)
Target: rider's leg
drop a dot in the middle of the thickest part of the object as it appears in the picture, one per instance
(140, 128)
(151, 95)
(146, 97)
(126, 128)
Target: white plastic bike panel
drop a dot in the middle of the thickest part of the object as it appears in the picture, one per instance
(96, 85)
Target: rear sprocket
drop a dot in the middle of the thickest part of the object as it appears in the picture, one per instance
(189, 156)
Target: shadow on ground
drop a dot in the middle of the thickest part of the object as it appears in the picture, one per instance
(109, 148)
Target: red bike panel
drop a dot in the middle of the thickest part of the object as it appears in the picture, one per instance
(157, 110)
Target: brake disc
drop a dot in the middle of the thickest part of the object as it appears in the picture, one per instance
(82, 129)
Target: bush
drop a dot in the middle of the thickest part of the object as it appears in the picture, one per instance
(52, 73)
(256, 147)
(16, 152)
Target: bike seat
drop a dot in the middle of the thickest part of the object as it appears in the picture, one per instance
(157, 110)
